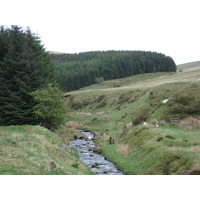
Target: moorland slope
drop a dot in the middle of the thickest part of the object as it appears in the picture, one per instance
(189, 66)
(118, 109)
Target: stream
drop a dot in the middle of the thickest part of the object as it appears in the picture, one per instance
(89, 155)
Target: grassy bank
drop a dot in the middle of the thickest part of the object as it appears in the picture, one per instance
(163, 150)
(36, 150)
(118, 109)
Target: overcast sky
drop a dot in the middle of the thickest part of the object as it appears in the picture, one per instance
(72, 26)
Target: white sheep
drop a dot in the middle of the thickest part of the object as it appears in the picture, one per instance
(165, 101)
(145, 124)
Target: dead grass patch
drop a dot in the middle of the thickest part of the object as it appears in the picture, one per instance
(106, 116)
(129, 125)
(190, 123)
(84, 114)
(122, 149)
(72, 124)
(40, 137)
(100, 113)
(16, 135)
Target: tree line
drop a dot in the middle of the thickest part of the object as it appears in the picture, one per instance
(75, 71)
(28, 86)
(30, 78)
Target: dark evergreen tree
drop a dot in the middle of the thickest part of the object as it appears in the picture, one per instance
(24, 68)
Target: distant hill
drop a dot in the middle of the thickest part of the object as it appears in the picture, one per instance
(189, 66)
(75, 71)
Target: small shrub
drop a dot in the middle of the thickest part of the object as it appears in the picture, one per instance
(183, 99)
(99, 80)
(194, 108)
(101, 105)
(124, 98)
(152, 95)
(94, 119)
(86, 103)
(141, 116)
(50, 107)
(100, 98)
(159, 139)
(177, 108)
(75, 165)
(170, 137)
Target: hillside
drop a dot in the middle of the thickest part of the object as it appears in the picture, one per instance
(34, 150)
(75, 71)
(118, 109)
(189, 66)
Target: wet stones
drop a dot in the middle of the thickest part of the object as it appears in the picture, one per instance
(95, 150)
(78, 137)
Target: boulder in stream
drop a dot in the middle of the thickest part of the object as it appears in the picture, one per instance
(78, 137)
(95, 150)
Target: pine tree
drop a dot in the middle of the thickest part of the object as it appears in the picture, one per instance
(24, 68)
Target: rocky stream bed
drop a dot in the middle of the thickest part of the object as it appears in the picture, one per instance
(90, 155)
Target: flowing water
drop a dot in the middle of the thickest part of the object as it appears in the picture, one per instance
(97, 162)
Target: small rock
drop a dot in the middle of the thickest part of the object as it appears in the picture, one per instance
(75, 137)
(97, 151)
(79, 137)
(52, 164)
(95, 165)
